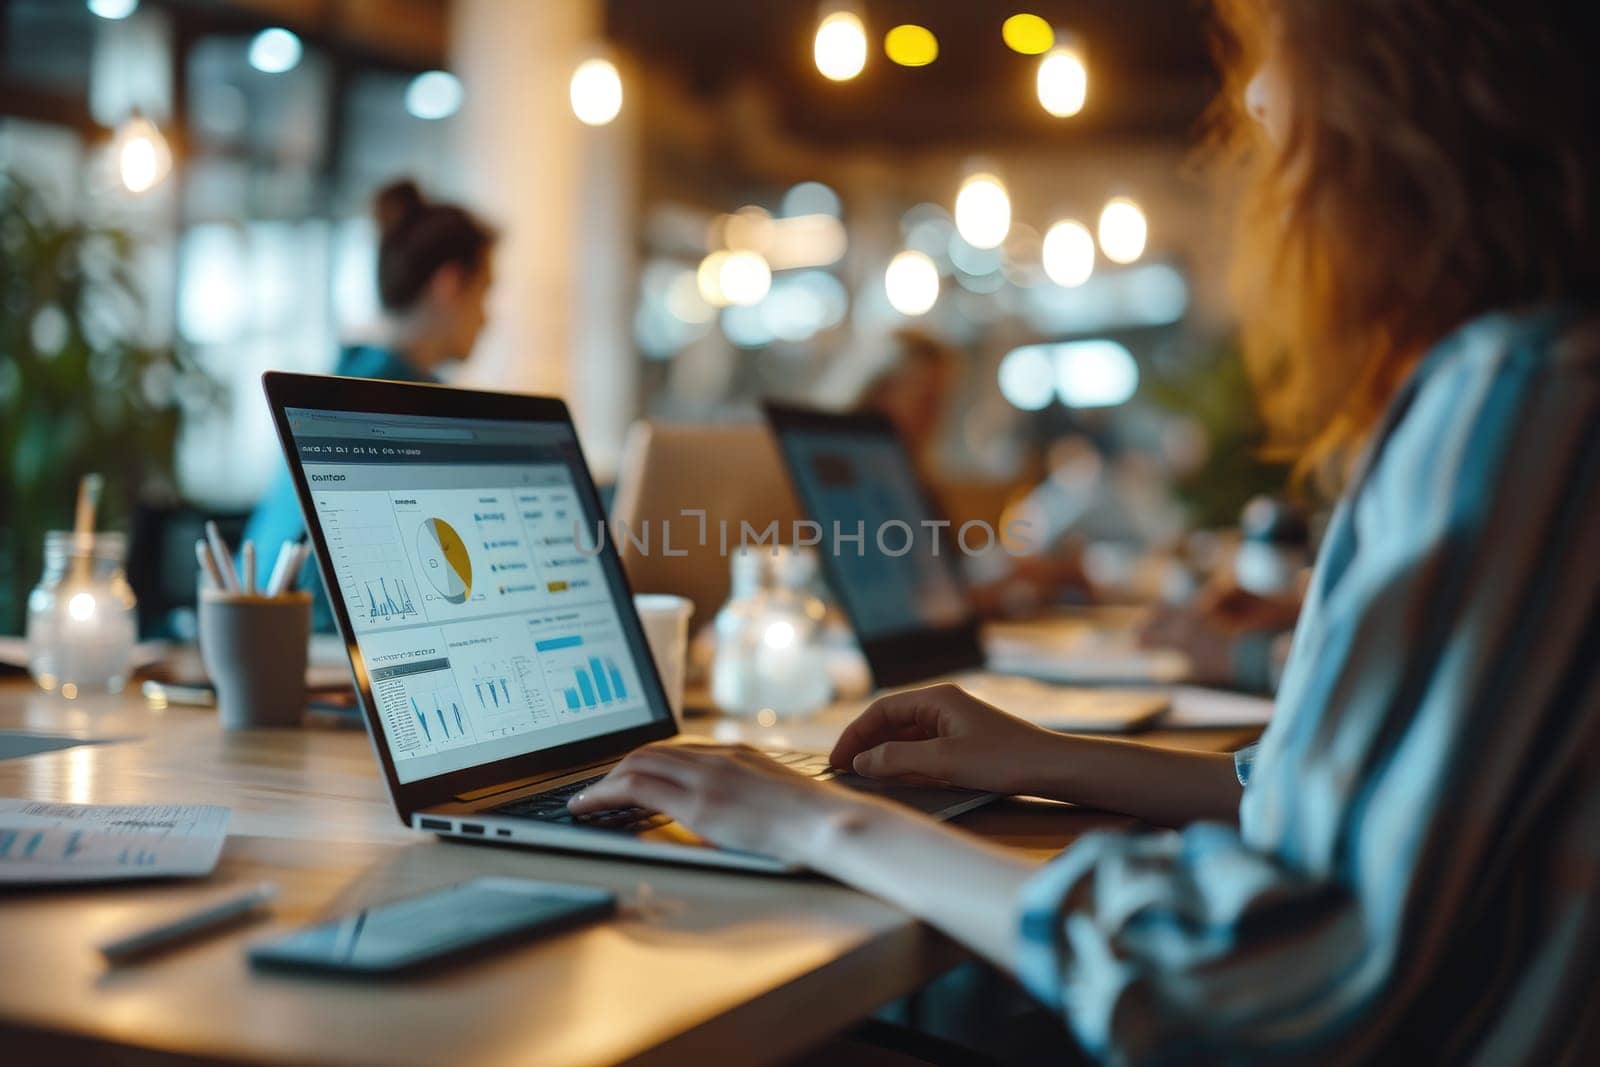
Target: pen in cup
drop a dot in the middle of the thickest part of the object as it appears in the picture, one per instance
(247, 568)
(287, 568)
(217, 566)
(254, 637)
(208, 565)
(223, 558)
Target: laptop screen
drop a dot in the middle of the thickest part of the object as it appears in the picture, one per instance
(467, 564)
(898, 577)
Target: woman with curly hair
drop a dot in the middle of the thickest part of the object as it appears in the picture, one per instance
(1408, 865)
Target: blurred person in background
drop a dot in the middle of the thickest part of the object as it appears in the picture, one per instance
(1405, 868)
(435, 267)
(913, 392)
(1236, 631)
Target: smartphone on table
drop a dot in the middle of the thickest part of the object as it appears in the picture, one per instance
(407, 935)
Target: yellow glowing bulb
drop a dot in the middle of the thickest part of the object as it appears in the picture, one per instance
(596, 92)
(911, 46)
(81, 607)
(1123, 230)
(983, 211)
(141, 154)
(1028, 34)
(1063, 83)
(912, 283)
(840, 48)
(1068, 253)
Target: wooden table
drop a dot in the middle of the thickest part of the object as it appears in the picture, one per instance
(702, 966)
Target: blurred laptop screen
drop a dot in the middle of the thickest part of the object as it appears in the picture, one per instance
(899, 575)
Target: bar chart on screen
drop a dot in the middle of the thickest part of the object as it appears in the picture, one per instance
(586, 672)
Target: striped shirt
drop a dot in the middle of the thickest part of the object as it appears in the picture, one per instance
(1416, 870)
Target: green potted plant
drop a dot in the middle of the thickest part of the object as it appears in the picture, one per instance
(80, 390)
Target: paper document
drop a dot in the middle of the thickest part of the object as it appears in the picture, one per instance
(1070, 710)
(1194, 707)
(41, 843)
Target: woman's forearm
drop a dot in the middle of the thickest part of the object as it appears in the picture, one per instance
(963, 886)
(1168, 787)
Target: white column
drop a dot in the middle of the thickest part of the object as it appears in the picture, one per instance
(562, 196)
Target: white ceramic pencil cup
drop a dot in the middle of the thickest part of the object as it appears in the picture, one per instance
(254, 649)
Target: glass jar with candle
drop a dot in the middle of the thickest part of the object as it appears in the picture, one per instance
(733, 668)
(81, 626)
(793, 664)
(770, 657)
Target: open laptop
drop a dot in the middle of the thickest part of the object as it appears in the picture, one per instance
(903, 590)
(496, 651)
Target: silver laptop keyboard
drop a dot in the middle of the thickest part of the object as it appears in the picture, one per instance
(551, 806)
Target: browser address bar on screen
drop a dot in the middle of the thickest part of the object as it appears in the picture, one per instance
(424, 433)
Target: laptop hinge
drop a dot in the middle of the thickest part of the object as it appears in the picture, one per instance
(522, 783)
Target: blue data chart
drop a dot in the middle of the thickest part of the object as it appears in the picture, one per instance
(24, 844)
(389, 599)
(598, 681)
(556, 644)
(585, 670)
(493, 693)
(438, 715)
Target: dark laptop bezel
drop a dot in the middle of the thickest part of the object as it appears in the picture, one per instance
(346, 395)
(910, 655)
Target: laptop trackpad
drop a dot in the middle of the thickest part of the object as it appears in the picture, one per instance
(928, 799)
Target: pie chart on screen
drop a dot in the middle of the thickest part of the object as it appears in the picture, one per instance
(444, 559)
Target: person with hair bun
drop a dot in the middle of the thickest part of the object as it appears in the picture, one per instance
(434, 272)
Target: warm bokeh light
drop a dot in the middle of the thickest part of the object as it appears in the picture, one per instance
(840, 48)
(814, 240)
(780, 633)
(744, 278)
(911, 45)
(596, 92)
(1063, 83)
(749, 228)
(1028, 378)
(113, 9)
(81, 607)
(434, 94)
(912, 282)
(275, 51)
(141, 155)
(1068, 253)
(1095, 374)
(1123, 230)
(983, 211)
(708, 278)
(1028, 34)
